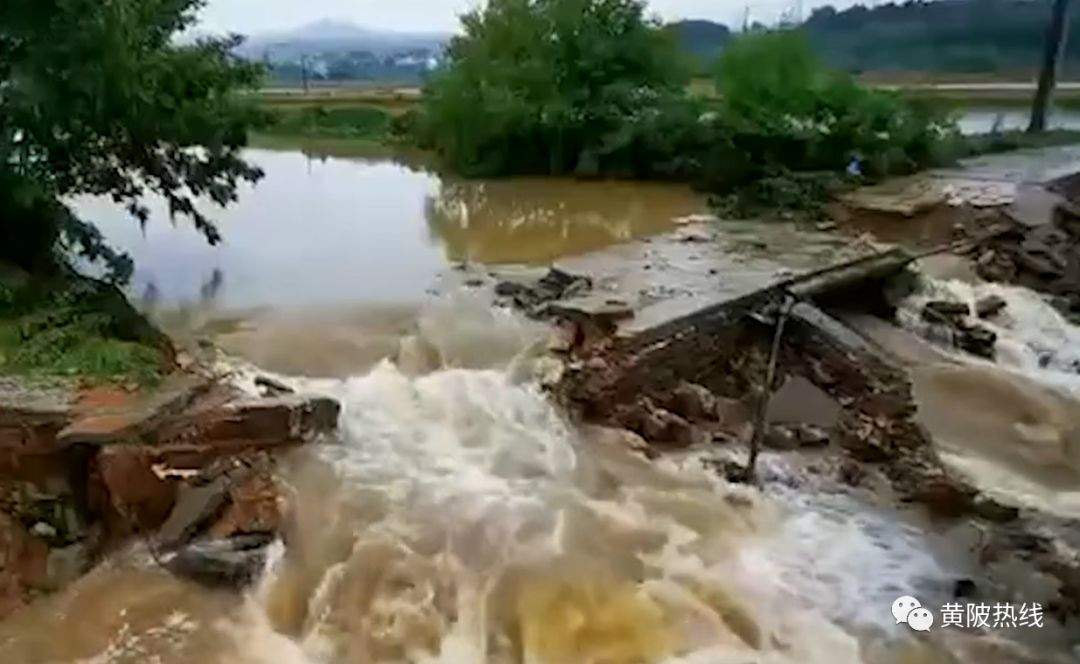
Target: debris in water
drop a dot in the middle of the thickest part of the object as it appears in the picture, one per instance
(555, 285)
(990, 306)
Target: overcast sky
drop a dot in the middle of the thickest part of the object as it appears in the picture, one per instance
(255, 16)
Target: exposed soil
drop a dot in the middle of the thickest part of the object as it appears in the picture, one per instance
(83, 470)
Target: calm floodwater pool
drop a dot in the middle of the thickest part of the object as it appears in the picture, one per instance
(353, 230)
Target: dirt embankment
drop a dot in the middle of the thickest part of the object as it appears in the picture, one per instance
(85, 470)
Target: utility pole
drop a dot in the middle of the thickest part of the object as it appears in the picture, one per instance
(1055, 43)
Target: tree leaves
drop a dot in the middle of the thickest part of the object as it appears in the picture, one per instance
(97, 98)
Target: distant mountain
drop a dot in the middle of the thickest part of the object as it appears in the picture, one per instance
(330, 36)
(702, 38)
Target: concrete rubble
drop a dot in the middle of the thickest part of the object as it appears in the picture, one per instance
(84, 469)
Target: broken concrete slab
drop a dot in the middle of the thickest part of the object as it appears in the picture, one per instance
(664, 279)
(905, 197)
(110, 415)
(195, 506)
(285, 419)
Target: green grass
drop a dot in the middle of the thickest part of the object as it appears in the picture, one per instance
(353, 122)
(326, 146)
(71, 328)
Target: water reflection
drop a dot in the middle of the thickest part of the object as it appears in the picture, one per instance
(537, 220)
(332, 230)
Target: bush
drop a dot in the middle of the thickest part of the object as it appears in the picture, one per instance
(801, 195)
(592, 88)
(782, 106)
(554, 87)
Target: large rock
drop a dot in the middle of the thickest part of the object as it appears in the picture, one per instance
(694, 402)
(990, 306)
(945, 311)
(659, 425)
(232, 563)
(555, 285)
(257, 506)
(978, 340)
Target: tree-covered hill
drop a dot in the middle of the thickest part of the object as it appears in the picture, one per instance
(704, 39)
(966, 36)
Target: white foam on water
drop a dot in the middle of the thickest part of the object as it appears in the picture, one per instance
(488, 530)
(1012, 426)
(458, 519)
(1033, 338)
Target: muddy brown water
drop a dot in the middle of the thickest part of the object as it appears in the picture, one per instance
(337, 254)
(347, 230)
(459, 519)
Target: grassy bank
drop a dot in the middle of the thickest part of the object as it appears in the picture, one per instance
(68, 326)
(320, 124)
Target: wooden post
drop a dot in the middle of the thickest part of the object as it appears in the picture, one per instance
(1055, 41)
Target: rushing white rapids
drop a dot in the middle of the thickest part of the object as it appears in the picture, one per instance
(1013, 425)
(458, 519)
(1033, 338)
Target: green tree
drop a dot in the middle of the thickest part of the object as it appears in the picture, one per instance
(783, 107)
(97, 97)
(553, 86)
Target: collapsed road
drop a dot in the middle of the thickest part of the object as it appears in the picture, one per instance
(684, 363)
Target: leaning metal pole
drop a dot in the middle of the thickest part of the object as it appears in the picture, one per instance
(1055, 42)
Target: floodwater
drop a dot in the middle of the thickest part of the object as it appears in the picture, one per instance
(337, 254)
(984, 119)
(349, 230)
(1012, 425)
(459, 519)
